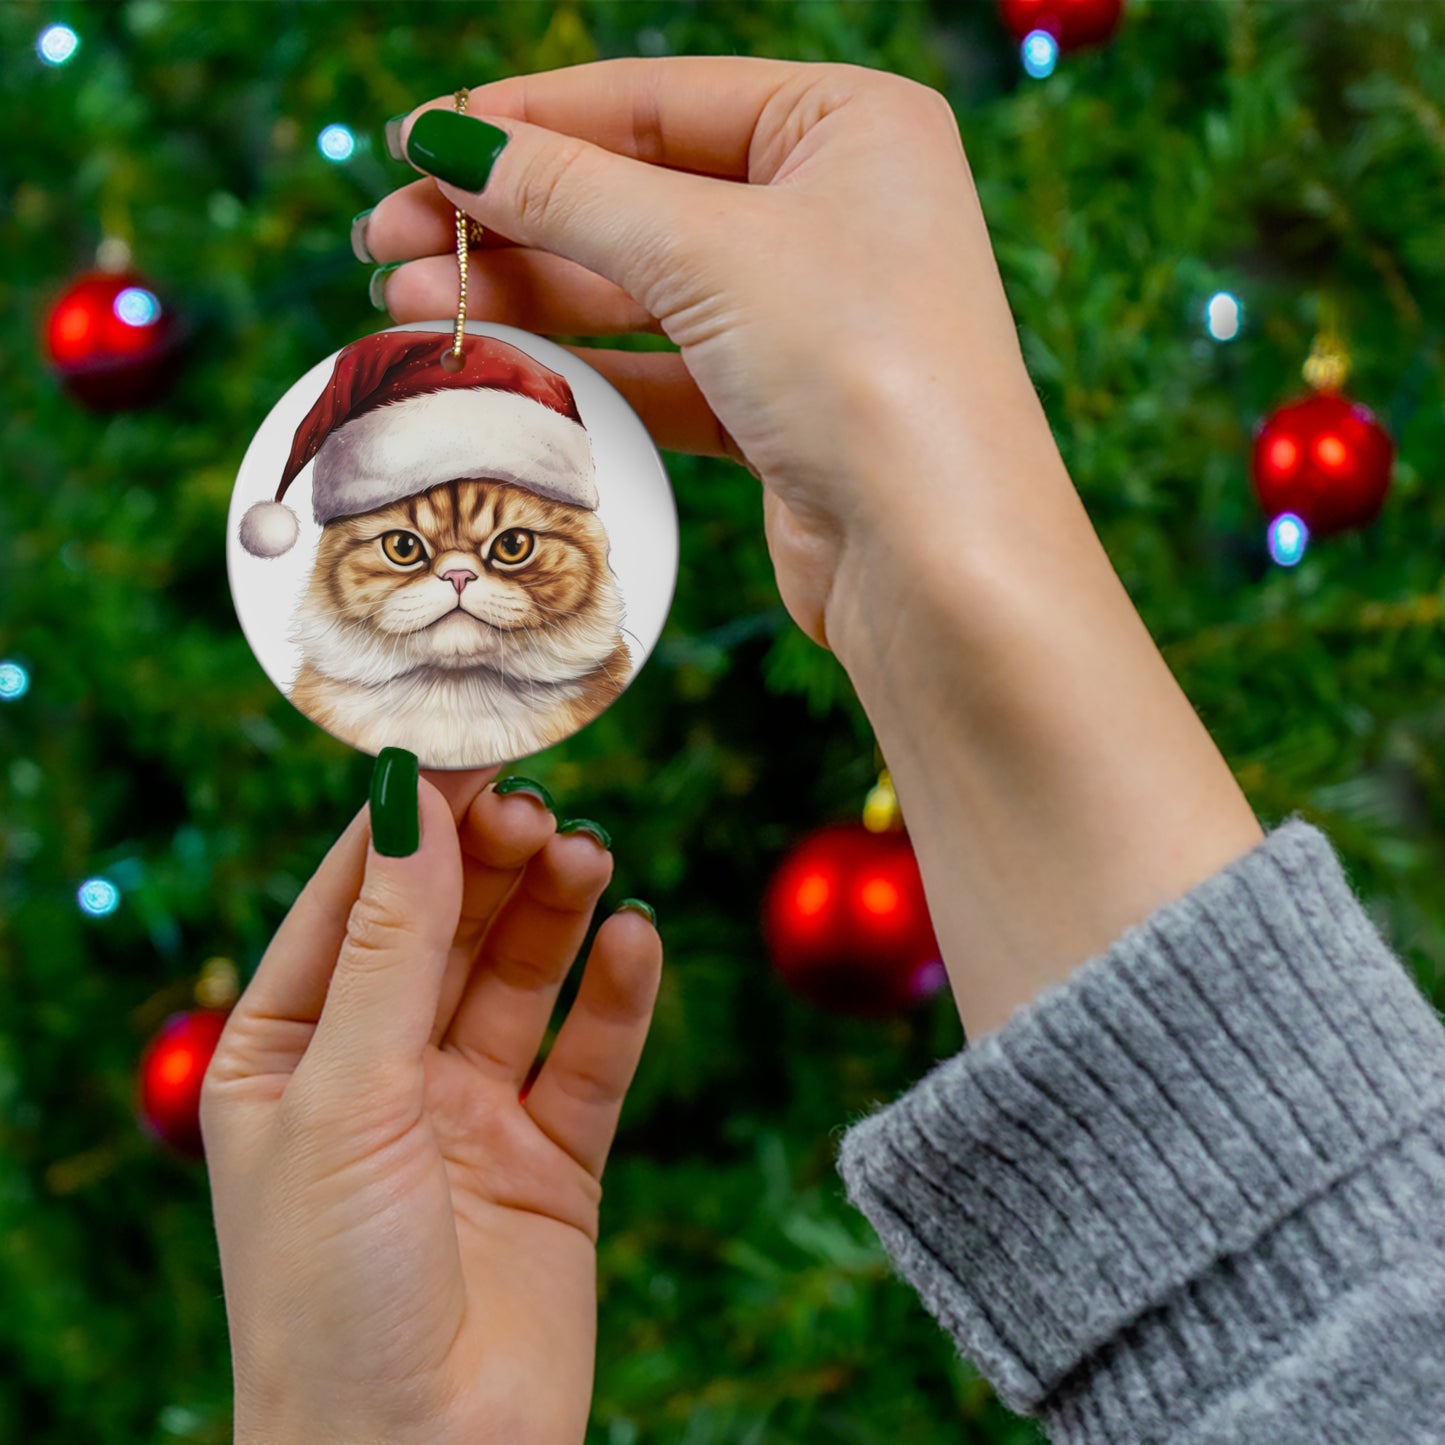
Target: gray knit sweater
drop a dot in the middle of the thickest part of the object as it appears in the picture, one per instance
(1196, 1192)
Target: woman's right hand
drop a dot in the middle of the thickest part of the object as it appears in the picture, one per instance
(843, 330)
(840, 317)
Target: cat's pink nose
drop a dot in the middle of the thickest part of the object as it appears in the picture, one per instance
(459, 577)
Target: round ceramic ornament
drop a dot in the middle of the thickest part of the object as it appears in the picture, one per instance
(469, 557)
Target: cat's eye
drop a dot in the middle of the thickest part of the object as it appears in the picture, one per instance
(513, 547)
(403, 548)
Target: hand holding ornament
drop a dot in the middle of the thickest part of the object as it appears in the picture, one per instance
(407, 1224)
(811, 238)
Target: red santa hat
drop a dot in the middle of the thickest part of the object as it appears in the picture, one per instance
(392, 422)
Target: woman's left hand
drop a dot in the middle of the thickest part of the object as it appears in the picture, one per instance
(407, 1235)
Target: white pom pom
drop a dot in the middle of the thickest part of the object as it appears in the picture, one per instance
(268, 529)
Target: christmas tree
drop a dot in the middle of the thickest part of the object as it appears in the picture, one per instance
(162, 803)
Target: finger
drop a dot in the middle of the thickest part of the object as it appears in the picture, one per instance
(416, 220)
(460, 788)
(504, 1010)
(271, 1023)
(690, 113)
(621, 218)
(517, 287)
(659, 388)
(382, 998)
(577, 1098)
(500, 834)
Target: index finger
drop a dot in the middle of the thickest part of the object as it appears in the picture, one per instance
(686, 112)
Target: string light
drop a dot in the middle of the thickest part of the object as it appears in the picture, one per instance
(1223, 316)
(1040, 52)
(98, 897)
(57, 44)
(336, 143)
(1288, 538)
(137, 307)
(14, 681)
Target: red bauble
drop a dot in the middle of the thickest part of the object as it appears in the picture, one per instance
(171, 1072)
(112, 341)
(1324, 458)
(1073, 23)
(847, 923)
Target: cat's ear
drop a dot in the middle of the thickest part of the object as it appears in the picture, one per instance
(269, 529)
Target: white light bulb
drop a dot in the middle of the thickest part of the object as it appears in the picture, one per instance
(1040, 52)
(14, 681)
(1288, 538)
(336, 143)
(1223, 316)
(98, 897)
(57, 44)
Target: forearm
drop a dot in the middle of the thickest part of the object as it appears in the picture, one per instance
(1056, 782)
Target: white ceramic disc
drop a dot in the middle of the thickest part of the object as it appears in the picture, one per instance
(480, 564)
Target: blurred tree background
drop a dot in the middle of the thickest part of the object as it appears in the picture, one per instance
(1286, 153)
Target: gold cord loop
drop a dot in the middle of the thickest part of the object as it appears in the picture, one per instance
(469, 232)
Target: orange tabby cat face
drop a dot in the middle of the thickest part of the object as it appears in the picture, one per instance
(468, 574)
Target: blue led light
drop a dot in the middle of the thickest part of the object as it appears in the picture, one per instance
(1040, 52)
(336, 143)
(1288, 538)
(14, 681)
(137, 307)
(98, 897)
(1223, 316)
(57, 44)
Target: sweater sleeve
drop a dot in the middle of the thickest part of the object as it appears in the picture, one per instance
(1195, 1193)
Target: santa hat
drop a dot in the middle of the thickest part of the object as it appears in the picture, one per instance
(393, 422)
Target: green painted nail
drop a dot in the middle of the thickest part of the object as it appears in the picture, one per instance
(359, 248)
(376, 288)
(636, 905)
(455, 148)
(395, 812)
(392, 132)
(525, 785)
(586, 825)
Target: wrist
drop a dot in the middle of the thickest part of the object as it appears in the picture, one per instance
(1057, 784)
(944, 518)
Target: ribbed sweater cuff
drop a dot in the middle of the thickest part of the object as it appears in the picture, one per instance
(1142, 1166)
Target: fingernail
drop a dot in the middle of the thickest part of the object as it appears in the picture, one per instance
(586, 825)
(395, 820)
(376, 288)
(455, 148)
(393, 136)
(636, 905)
(359, 248)
(525, 785)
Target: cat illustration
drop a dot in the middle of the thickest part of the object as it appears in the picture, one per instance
(474, 622)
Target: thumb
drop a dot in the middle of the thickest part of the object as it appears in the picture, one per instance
(382, 1000)
(634, 224)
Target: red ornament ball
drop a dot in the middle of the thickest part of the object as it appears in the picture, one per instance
(1073, 23)
(112, 341)
(847, 923)
(171, 1072)
(1324, 458)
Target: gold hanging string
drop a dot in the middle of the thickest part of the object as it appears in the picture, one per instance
(1328, 366)
(468, 232)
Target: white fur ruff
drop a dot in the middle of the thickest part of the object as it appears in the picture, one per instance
(457, 690)
(455, 720)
